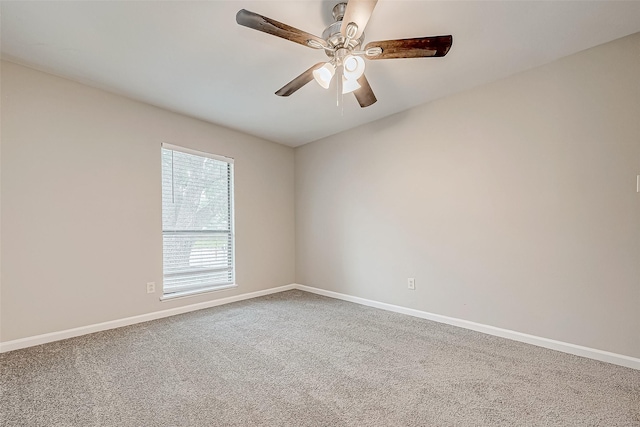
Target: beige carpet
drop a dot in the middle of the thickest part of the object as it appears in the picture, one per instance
(297, 359)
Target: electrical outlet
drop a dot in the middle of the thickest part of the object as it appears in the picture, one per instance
(151, 287)
(411, 282)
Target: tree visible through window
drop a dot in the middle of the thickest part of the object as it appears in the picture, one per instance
(197, 220)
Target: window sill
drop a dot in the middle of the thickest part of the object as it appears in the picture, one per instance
(185, 294)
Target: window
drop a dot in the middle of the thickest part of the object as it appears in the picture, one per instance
(197, 221)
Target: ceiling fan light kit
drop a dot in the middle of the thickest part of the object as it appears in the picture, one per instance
(324, 74)
(349, 85)
(353, 67)
(342, 42)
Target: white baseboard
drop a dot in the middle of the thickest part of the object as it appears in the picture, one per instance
(578, 350)
(604, 356)
(97, 327)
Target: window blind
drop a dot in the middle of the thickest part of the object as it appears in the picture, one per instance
(197, 220)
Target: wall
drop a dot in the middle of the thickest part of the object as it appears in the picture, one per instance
(81, 220)
(513, 205)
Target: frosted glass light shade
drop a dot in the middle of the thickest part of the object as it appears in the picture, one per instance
(353, 67)
(324, 74)
(349, 85)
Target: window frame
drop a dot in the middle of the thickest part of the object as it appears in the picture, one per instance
(197, 290)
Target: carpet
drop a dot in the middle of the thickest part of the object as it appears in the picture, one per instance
(299, 359)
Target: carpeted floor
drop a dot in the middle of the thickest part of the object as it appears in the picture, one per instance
(298, 359)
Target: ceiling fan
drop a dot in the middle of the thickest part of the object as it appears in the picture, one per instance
(342, 42)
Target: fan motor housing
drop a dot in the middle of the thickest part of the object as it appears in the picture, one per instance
(334, 37)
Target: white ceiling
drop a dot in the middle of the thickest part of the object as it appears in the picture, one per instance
(192, 57)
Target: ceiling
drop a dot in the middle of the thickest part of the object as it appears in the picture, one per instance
(191, 57)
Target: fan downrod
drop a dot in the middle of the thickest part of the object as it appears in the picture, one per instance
(338, 11)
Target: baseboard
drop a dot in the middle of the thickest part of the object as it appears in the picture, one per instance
(97, 327)
(578, 350)
(601, 355)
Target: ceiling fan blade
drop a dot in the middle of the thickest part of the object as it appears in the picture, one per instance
(299, 81)
(364, 94)
(420, 47)
(270, 26)
(358, 12)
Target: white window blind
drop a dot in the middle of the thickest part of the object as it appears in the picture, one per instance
(197, 220)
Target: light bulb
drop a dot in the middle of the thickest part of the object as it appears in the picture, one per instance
(349, 85)
(324, 74)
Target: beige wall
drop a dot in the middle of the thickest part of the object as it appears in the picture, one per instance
(81, 222)
(513, 205)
